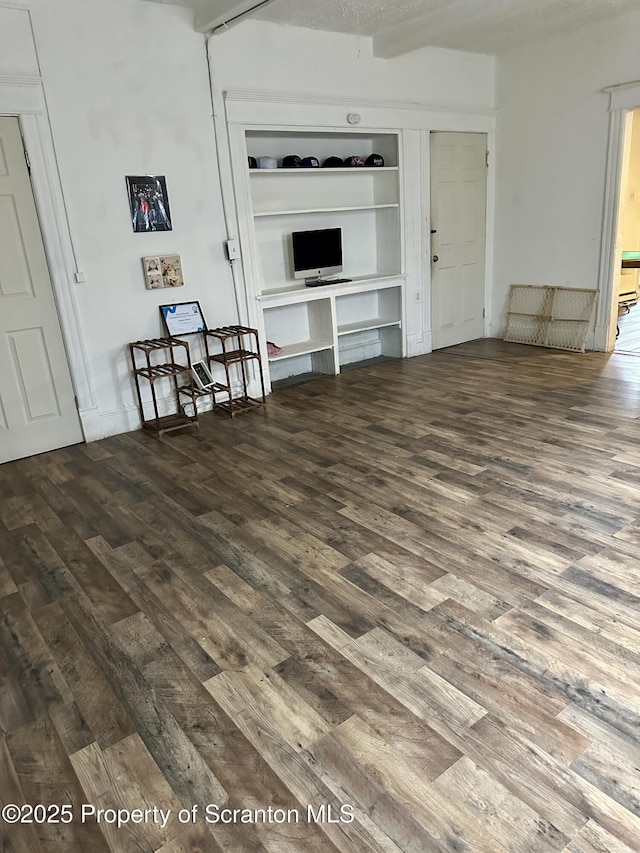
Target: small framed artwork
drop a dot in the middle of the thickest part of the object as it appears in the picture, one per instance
(163, 271)
(183, 318)
(202, 376)
(149, 203)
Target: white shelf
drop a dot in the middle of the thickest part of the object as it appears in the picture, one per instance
(298, 292)
(301, 348)
(326, 210)
(367, 325)
(343, 170)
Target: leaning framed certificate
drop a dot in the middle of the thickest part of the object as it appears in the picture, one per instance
(183, 318)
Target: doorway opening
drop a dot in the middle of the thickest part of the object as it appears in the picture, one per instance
(628, 240)
(623, 110)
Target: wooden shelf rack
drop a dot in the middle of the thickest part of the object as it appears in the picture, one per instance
(178, 368)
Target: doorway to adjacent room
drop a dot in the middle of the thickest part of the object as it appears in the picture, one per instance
(628, 239)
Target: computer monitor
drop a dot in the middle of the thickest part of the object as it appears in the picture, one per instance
(317, 253)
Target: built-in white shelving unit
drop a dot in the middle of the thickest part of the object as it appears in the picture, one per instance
(321, 329)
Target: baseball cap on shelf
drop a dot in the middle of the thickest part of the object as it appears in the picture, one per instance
(291, 161)
(333, 162)
(374, 160)
(267, 163)
(310, 163)
(253, 163)
(356, 160)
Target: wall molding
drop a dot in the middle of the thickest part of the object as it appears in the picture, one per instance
(623, 99)
(291, 110)
(127, 418)
(301, 99)
(626, 96)
(33, 82)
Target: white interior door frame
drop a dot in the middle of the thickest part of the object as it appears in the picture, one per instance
(489, 229)
(25, 98)
(489, 217)
(624, 99)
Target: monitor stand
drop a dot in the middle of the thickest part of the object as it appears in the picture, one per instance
(316, 281)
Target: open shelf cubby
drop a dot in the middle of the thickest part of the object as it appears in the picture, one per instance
(318, 330)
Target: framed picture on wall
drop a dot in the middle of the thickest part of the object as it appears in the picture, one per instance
(149, 203)
(163, 271)
(183, 318)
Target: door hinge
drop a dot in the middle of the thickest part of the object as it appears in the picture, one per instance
(27, 160)
(486, 160)
(484, 313)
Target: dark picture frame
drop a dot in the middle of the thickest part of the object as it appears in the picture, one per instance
(149, 203)
(183, 318)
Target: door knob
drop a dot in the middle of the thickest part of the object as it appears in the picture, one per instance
(435, 259)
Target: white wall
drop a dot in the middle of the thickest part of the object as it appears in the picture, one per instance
(259, 56)
(127, 92)
(552, 137)
(18, 56)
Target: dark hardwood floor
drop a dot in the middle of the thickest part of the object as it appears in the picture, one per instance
(410, 594)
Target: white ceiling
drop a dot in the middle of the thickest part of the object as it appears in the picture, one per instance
(398, 26)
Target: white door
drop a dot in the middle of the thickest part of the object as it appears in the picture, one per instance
(458, 218)
(37, 404)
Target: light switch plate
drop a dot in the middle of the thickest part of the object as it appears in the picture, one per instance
(233, 250)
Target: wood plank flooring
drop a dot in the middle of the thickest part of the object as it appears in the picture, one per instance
(406, 597)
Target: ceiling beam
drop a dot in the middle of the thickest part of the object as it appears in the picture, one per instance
(440, 27)
(398, 40)
(210, 14)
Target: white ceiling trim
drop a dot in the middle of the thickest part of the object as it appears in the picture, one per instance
(626, 96)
